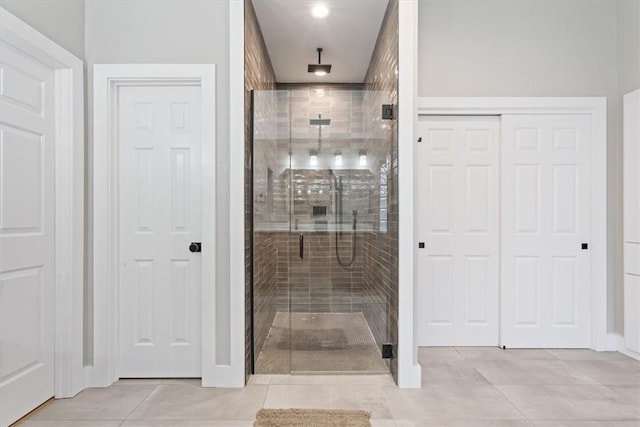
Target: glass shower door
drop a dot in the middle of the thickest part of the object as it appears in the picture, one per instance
(324, 231)
(334, 187)
(271, 210)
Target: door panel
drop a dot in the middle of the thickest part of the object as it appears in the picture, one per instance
(27, 140)
(545, 218)
(458, 221)
(160, 215)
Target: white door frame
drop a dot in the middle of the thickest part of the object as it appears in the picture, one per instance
(69, 196)
(106, 81)
(597, 108)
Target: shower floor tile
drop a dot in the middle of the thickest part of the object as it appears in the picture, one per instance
(320, 343)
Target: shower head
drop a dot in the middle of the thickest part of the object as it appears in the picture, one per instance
(319, 69)
(319, 121)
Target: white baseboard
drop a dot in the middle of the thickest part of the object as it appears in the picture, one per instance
(611, 342)
(412, 377)
(622, 347)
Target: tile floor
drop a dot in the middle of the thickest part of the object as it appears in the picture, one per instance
(462, 387)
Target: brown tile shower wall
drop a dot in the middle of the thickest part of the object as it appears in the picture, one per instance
(265, 260)
(381, 247)
(259, 75)
(317, 283)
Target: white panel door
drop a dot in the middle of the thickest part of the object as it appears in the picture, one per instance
(458, 292)
(545, 218)
(27, 140)
(160, 285)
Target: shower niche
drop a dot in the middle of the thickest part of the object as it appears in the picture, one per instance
(324, 239)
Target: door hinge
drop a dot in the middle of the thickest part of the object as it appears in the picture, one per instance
(387, 351)
(387, 112)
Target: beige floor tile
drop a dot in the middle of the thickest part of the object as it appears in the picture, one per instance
(429, 354)
(183, 423)
(580, 354)
(463, 423)
(184, 402)
(382, 423)
(627, 391)
(194, 382)
(260, 379)
(68, 423)
(450, 372)
(496, 353)
(572, 402)
(137, 381)
(609, 372)
(332, 379)
(111, 403)
(370, 398)
(587, 424)
(441, 402)
(530, 372)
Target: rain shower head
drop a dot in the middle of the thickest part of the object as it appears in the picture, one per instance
(319, 69)
(319, 121)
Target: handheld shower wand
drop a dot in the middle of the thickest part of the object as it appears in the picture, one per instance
(338, 214)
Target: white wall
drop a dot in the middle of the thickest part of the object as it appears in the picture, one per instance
(628, 46)
(628, 38)
(60, 20)
(167, 31)
(532, 48)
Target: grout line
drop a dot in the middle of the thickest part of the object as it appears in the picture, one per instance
(266, 393)
(565, 363)
(510, 401)
(141, 402)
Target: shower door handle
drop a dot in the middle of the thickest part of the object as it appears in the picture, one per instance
(301, 240)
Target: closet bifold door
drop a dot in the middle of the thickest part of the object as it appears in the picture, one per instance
(545, 231)
(632, 221)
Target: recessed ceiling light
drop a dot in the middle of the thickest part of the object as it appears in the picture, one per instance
(320, 11)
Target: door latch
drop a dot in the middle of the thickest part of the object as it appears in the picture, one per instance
(195, 247)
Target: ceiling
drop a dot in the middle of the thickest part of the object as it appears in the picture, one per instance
(348, 36)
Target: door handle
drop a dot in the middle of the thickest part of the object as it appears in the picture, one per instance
(195, 247)
(301, 241)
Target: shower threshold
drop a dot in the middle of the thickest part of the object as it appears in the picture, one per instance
(320, 344)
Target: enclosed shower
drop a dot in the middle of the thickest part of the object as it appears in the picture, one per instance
(324, 237)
